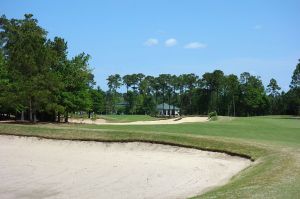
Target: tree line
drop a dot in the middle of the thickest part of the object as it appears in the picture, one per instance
(214, 91)
(38, 81)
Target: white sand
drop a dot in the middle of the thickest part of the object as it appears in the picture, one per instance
(41, 168)
(155, 122)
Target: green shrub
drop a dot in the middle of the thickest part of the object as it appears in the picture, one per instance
(213, 115)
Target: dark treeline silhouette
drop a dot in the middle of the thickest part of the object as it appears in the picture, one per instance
(39, 82)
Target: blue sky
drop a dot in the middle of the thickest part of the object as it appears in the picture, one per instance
(160, 36)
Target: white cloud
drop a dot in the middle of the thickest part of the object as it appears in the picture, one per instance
(195, 45)
(257, 27)
(170, 42)
(151, 42)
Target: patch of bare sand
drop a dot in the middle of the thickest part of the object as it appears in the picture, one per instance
(40, 168)
(155, 122)
(87, 121)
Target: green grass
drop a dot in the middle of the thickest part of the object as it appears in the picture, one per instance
(262, 129)
(127, 118)
(273, 142)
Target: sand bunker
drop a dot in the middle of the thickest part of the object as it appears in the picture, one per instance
(167, 121)
(40, 168)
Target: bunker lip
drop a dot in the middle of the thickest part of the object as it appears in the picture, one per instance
(147, 170)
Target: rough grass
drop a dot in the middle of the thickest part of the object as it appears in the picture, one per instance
(273, 142)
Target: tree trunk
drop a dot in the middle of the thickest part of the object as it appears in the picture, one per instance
(210, 109)
(22, 116)
(155, 103)
(169, 105)
(89, 114)
(54, 116)
(66, 117)
(30, 111)
(156, 93)
(34, 117)
(217, 102)
(228, 110)
(58, 117)
(174, 101)
(233, 106)
(180, 101)
(163, 99)
(164, 102)
(190, 102)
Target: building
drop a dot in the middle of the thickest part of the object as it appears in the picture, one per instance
(167, 110)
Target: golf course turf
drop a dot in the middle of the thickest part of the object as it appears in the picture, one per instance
(273, 142)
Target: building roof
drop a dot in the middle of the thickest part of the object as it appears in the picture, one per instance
(166, 106)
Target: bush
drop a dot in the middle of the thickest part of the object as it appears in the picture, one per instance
(213, 115)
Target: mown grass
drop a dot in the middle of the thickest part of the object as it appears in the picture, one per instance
(273, 142)
(263, 129)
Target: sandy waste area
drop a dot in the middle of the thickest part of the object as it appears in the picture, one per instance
(41, 168)
(155, 122)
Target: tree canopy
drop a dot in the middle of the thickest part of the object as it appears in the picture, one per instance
(38, 78)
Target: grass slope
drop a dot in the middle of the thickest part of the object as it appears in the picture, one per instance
(274, 142)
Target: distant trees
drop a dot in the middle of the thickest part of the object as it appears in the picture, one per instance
(135, 82)
(231, 91)
(215, 91)
(147, 105)
(253, 100)
(274, 96)
(292, 97)
(98, 100)
(113, 83)
(213, 82)
(295, 83)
